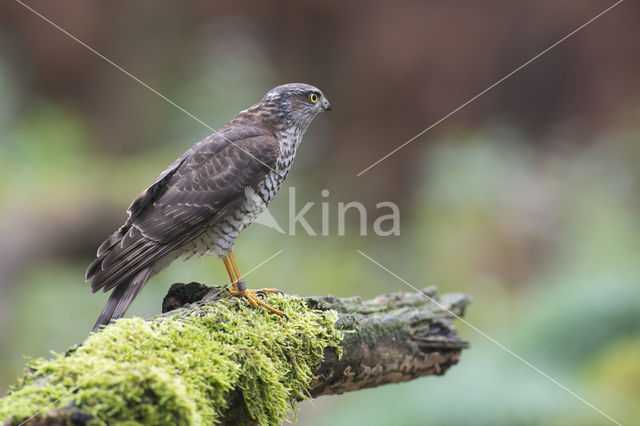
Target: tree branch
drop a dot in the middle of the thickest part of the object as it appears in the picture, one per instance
(391, 338)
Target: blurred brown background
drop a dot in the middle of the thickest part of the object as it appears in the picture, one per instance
(527, 198)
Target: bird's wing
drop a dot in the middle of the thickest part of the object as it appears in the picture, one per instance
(201, 188)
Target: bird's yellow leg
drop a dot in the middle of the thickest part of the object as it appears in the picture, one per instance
(231, 272)
(240, 286)
(234, 266)
(236, 270)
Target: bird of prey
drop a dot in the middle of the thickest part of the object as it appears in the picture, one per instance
(202, 201)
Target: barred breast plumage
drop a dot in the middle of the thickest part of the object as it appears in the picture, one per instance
(221, 238)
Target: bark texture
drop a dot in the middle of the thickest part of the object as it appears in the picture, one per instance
(389, 339)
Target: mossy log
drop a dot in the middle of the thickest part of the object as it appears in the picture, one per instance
(210, 358)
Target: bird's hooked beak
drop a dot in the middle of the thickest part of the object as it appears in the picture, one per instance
(326, 106)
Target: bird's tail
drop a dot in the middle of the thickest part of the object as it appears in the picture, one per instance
(121, 297)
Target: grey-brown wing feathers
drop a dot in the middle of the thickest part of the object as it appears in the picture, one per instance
(198, 190)
(144, 200)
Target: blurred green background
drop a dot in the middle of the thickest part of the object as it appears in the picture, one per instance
(528, 199)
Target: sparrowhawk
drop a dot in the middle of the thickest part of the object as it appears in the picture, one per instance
(202, 201)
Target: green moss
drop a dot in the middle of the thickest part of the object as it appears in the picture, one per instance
(184, 370)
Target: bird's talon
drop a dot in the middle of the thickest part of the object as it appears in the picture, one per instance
(255, 302)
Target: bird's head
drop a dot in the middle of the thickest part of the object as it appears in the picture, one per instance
(296, 104)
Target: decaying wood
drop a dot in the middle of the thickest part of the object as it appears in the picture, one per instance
(392, 338)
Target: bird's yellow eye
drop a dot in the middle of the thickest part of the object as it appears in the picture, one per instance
(313, 97)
